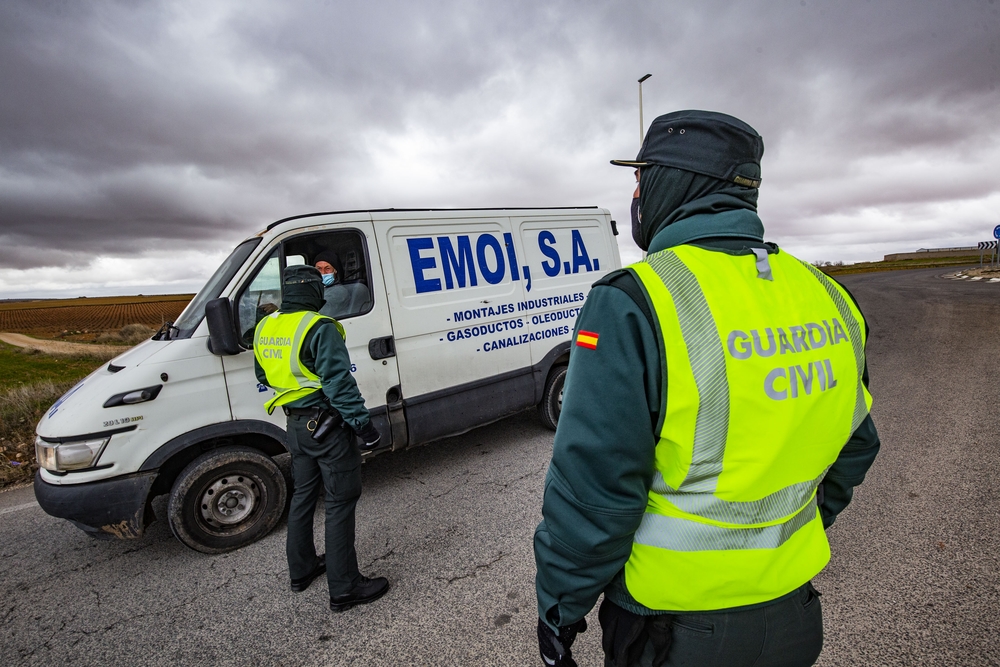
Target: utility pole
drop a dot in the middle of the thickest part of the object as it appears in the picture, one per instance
(641, 126)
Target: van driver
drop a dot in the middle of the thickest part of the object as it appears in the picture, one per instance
(342, 299)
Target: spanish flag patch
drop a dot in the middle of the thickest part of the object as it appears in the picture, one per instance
(587, 339)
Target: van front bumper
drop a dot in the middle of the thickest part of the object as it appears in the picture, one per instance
(111, 508)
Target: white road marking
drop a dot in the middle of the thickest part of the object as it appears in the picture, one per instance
(994, 280)
(976, 278)
(18, 508)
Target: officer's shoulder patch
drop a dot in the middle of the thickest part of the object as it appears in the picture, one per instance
(587, 339)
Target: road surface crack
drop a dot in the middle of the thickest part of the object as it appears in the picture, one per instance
(183, 604)
(47, 644)
(475, 571)
(503, 485)
(445, 493)
(388, 554)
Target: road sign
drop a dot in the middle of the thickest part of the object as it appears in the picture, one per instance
(992, 246)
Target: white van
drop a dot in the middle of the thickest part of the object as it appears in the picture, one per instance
(457, 318)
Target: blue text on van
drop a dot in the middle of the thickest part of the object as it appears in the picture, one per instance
(459, 261)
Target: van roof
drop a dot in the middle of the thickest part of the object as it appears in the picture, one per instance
(422, 210)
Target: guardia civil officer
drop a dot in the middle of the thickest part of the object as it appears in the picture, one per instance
(303, 357)
(715, 420)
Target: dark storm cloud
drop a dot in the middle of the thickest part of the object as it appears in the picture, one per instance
(130, 126)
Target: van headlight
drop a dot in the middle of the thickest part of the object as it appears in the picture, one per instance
(60, 457)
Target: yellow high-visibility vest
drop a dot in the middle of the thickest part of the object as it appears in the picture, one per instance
(764, 357)
(277, 341)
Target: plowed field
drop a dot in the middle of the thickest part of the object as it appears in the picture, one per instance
(82, 319)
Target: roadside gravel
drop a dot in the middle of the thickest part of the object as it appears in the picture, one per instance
(59, 347)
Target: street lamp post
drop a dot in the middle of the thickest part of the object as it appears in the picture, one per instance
(641, 126)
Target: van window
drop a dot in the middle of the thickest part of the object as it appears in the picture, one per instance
(261, 297)
(345, 254)
(350, 294)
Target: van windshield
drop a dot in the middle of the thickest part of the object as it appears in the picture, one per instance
(195, 311)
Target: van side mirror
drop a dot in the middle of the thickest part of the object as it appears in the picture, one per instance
(223, 337)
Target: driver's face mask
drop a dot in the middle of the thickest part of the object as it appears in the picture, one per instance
(329, 279)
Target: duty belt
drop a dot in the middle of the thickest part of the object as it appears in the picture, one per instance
(302, 412)
(322, 419)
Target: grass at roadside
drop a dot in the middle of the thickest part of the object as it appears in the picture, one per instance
(20, 411)
(19, 367)
(870, 267)
(29, 384)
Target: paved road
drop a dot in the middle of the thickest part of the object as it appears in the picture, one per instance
(915, 576)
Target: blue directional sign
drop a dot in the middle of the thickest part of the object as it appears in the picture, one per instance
(996, 232)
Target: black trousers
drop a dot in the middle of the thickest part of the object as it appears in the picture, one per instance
(787, 633)
(334, 467)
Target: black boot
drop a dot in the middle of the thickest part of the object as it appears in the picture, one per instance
(299, 585)
(365, 591)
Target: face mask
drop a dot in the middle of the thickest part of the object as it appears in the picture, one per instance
(328, 279)
(636, 230)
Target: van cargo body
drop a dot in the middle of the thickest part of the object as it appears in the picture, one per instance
(453, 319)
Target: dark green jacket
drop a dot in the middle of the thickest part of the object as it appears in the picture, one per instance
(602, 465)
(324, 352)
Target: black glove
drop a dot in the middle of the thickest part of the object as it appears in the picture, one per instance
(370, 436)
(555, 648)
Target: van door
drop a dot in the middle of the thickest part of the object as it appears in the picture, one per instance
(454, 284)
(566, 254)
(357, 299)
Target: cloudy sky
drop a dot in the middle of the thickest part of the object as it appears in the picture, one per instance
(140, 140)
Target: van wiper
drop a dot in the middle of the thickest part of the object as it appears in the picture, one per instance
(163, 333)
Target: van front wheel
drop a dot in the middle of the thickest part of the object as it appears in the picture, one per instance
(551, 404)
(225, 499)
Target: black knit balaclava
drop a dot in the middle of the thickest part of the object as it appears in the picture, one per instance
(667, 195)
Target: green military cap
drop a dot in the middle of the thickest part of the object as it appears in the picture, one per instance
(295, 275)
(704, 142)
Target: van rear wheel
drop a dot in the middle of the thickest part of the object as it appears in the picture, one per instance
(551, 404)
(225, 499)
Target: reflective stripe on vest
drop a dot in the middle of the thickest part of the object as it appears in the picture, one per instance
(676, 534)
(862, 405)
(738, 460)
(277, 346)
